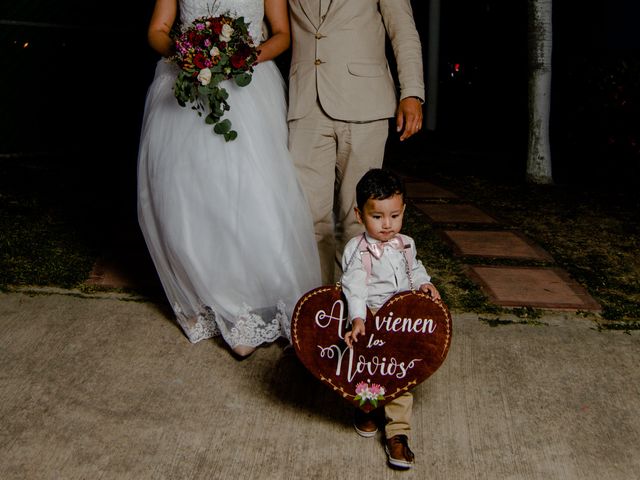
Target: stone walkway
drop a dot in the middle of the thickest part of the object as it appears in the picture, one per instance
(477, 237)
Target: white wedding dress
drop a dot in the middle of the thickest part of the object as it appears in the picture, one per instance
(226, 223)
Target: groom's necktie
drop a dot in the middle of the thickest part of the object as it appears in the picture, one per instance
(377, 249)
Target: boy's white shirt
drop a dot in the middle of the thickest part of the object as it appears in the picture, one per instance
(388, 275)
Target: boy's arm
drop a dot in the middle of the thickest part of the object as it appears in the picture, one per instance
(354, 281)
(419, 273)
(421, 279)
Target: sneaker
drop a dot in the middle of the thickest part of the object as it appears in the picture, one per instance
(365, 424)
(398, 452)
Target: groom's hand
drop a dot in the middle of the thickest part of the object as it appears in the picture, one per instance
(409, 117)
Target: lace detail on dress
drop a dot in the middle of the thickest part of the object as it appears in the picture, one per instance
(205, 326)
(251, 10)
(251, 330)
(201, 326)
(283, 320)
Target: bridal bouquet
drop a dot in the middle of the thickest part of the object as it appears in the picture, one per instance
(209, 50)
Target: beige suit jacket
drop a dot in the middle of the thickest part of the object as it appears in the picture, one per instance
(340, 59)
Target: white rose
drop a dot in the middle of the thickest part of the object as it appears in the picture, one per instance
(204, 77)
(226, 33)
(214, 52)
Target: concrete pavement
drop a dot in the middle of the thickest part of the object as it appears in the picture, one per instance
(106, 386)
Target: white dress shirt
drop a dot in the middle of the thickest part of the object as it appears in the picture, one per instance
(388, 274)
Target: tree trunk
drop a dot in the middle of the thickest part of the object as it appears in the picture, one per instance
(540, 42)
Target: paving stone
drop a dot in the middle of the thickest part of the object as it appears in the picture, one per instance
(455, 213)
(122, 271)
(427, 190)
(495, 244)
(537, 287)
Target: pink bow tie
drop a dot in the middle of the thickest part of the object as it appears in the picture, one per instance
(377, 249)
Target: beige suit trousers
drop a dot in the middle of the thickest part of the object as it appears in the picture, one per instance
(330, 158)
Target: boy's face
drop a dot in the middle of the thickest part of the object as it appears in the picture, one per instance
(382, 218)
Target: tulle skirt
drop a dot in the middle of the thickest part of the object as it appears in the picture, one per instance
(226, 223)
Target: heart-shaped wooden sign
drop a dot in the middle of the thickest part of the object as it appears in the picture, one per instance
(406, 341)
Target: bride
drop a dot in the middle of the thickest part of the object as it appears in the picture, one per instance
(226, 223)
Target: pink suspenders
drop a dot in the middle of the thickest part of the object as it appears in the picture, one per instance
(365, 254)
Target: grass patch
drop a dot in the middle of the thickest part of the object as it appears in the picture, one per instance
(625, 327)
(497, 322)
(42, 236)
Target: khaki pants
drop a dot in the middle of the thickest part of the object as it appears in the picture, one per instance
(330, 157)
(398, 415)
(397, 412)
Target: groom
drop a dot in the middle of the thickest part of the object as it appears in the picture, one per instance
(341, 96)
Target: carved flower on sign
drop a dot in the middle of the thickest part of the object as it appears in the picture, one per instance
(369, 393)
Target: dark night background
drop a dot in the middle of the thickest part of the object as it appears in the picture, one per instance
(74, 77)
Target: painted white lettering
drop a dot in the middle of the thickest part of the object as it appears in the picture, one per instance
(406, 325)
(375, 365)
(380, 322)
(384, 367)
(374, 342)
(335, 351)
(429, 326)
(417, 324)
(337, 313)
(395, 325)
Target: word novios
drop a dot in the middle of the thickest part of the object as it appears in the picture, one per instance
(389, 324)
(377, 364)
(372, 366)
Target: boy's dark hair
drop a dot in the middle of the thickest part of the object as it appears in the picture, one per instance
(378, 184)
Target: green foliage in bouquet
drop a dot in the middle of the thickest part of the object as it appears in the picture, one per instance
(209, 51)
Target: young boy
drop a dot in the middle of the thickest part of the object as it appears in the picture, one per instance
(376, 266)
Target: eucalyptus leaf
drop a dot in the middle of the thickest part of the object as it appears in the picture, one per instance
(223, 127)
(217, 108)
(232, 135)
(243, 79)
